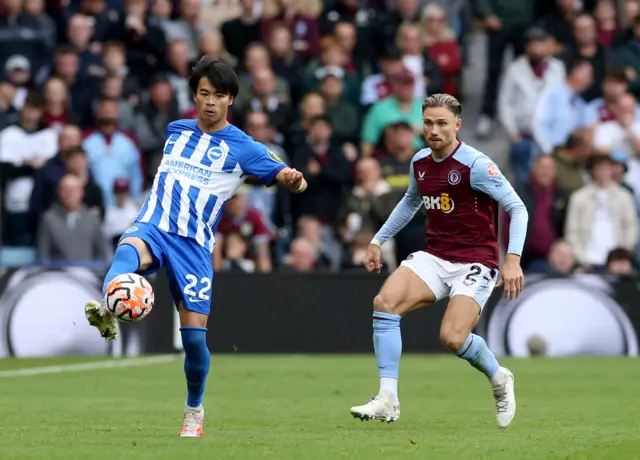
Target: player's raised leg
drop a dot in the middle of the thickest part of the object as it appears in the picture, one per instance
(460, 318)
(132, 255)
(401, 293)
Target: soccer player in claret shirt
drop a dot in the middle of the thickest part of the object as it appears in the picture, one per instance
(461, 188)
(204, 163)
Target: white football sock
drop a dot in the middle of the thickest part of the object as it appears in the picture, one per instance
(389, 388)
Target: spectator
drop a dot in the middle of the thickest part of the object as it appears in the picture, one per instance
(112, 153)
(560, 260)
(614, 85)
(525, 80)
(57, 111)
(506, 22)
(25, 148)
(426, 74)
(587, 48)
(152, 117)
(620, 262)
(323, 162)
(346, 35)
(121, 215)
(303, 27)
(570, 161)
(631, 12)
(442, 47)
(607, 20)
(357, 251)
(68, 231)
(46, 179)
(378, 86)
(46, 25)
(600, 217)
(178, 75)
(284, 61)
(235, 255)
(396, 160)
(344, 117)
(560, 109)
(112, 88)
(76, 164)
(620, 169)
(115, 63)
(623, 134)
(21, 35)
(628, 57)
(82, 87)
(333, 55)
(79, 33)
(322, 241)
(546, 204)
(9, 114)
(302, 257)
(368, 206)
(186, 28)
(400, 106)
(18, 70)
(239, 218)
(239, 33)
(559, 25)
(145, 41)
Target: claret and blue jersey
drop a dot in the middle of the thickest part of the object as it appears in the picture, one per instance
(199, 172)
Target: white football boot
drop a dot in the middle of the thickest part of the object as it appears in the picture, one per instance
(193, 422)
(505, 397)
(101, 319)
(378, 408)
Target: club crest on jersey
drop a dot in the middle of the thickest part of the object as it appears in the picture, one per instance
(216, 153)
(454, 177)
(442, 203)
(493, 170)
(274, 157)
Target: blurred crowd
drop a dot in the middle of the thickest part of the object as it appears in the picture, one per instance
(335, 88)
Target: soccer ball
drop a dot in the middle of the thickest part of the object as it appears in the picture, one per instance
(129, 297)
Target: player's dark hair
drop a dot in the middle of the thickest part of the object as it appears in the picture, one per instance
(443, 100)
(220, 74)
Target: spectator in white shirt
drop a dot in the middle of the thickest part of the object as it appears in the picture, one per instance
(523, 83)
(24, 148)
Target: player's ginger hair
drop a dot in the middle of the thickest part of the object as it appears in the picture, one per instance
(443, 100)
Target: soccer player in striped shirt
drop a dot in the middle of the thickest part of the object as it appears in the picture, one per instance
(205, 161)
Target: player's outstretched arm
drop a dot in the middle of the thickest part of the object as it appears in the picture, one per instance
(486, 177)
(292, 179)
(399, 218)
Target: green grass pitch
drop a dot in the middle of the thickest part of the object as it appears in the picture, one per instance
(297, 407)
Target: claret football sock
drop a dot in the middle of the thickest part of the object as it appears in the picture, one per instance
(387, 343)
(125, 260)
(196, 362)
(477, 353)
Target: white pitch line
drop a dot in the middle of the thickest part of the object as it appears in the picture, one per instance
(131, 362)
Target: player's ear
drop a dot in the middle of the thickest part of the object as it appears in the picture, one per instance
(458, 124)
(231, 100)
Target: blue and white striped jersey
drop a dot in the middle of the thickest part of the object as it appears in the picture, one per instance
(199, 172)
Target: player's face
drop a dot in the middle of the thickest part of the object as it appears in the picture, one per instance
(440, 127)
(212, 104)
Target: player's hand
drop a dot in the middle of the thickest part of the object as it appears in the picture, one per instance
(371, 259)
(512, 278)
(293, 179)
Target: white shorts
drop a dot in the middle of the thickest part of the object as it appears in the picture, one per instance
(448, 279)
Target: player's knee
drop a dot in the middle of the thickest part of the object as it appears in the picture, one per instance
(194, 340)
(453, 338)
(384, 303)
(144, 253)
